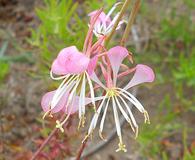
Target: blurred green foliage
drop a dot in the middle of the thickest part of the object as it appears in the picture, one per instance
(178, 28)
(185, 71)
(60, 27)
(4, 66)
(173, 55)
(4, 70)
(151, 136)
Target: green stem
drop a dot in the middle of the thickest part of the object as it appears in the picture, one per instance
(130, 22)
(122, 12)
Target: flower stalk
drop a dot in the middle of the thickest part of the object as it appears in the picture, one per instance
(122, 12)
(130, 22)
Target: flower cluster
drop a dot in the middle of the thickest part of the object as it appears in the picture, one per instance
(77, 71)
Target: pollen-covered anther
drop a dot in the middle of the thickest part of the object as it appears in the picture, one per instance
(101, 136)
(131, 126)
(122, 147)
(112, 92)
(87, 136)
(94, 108)
(146, 117)
(59, 126)
(136, 132)
(81, 122)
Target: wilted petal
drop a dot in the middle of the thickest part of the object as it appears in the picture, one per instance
(47, 98)
(142, 74)
(116, 55)
(58, 69)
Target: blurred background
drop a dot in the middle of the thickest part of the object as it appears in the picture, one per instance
(32, 32)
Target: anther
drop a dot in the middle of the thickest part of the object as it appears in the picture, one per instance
(59, 126)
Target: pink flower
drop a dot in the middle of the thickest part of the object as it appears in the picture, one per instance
(70, 61)
(73, 68)
(120, 97)
(104, 23)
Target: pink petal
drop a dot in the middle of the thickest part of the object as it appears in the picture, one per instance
(77, 64)
(46, 100)
(72, 60)
(142, 74)
(73, 108)
(92, 65)
(75, 105)
(64, 54)
(116, 55)
(58, 69)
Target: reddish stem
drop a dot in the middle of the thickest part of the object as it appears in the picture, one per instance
(82, 147)
(126, 72)
(46, 141)
(43, 144)
(88, 39)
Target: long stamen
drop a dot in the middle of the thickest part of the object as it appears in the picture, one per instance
(141, 109)
(73, 91)
(58, 94)
(113, 21)
(91, 91)
(131, 115)
(118, 128)
(95, 118)
(82, 104)
(61, 90)
(139, 106)
(112, 9)
(62, 86)
(103, 119)
(59, 124)
(124, 113)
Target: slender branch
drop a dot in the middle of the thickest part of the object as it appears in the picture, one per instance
(122, 12)
(130, 22)
(83, 145)
(46, 141)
